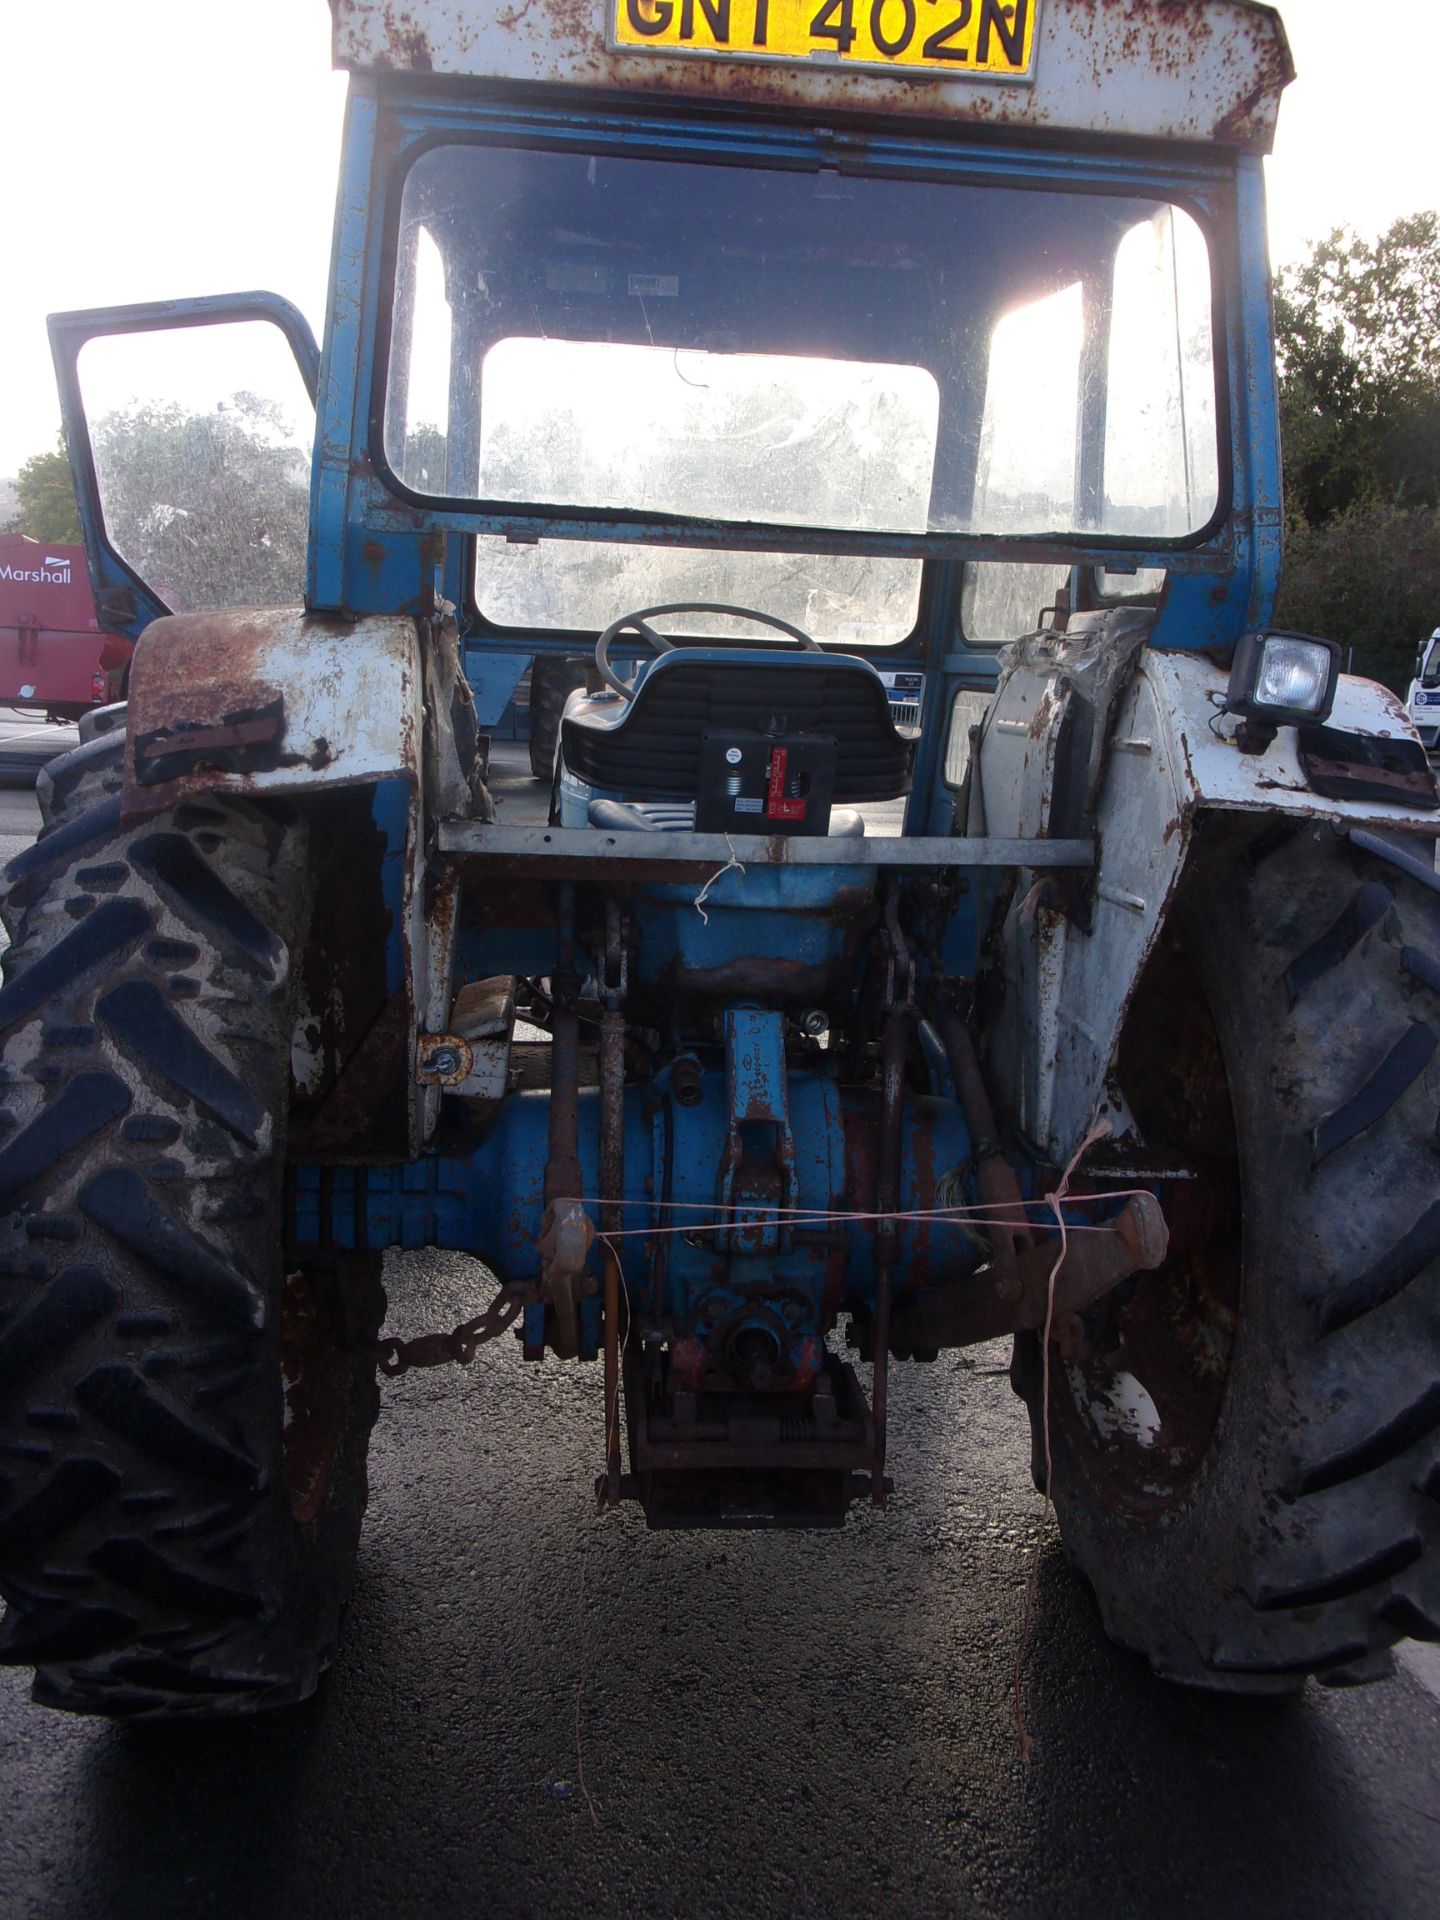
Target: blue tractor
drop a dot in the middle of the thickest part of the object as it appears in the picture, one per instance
(950, 910)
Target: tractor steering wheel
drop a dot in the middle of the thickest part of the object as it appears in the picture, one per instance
(637, 623)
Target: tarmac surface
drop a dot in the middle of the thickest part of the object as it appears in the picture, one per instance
(768, 1724)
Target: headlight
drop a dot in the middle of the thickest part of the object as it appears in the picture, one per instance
(1281, 680)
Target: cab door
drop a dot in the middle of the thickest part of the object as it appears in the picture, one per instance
(190, 427)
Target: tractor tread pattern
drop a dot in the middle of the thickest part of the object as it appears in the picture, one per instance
(1354, 1555)
(1317, 1547)
(90, 775)
(1338, 942)
(1406, 1060)
(148, 1554)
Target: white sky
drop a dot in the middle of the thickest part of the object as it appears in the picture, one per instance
(155, 148)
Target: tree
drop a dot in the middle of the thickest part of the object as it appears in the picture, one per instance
(1358, 341)
(1369, 578)
(211, 509)
(47, 499)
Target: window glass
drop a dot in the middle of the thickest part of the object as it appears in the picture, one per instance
(891, 354)
(202, 439)
(1144, 583)
(727, 436)
(1004, 599)
(968, 710)
(1027, 467)
(582, 585)
(590, 332)
(1162, 475)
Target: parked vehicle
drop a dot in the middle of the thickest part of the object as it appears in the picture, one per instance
(1424, 700)
(54, 655)
(882, 395)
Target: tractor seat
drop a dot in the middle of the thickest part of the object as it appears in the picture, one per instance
(632, 816)
(649, 747)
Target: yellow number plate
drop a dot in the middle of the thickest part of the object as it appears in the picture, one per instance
(981, 39)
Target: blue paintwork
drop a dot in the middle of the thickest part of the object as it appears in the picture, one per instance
(1209, 187)
(762, 1127)
(807, 918)
(369, 546)
(493, 679)
(373, 550)
(490, 1202)
(757, 1170)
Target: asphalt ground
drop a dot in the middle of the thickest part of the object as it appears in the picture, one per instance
(767, 1724)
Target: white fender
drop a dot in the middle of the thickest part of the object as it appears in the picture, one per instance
(1170, 756)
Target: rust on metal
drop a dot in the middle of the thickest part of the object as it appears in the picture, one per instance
(979, 1306)
(443, 1059)
(362, 1115)
(887, 1199)
(254, 699)
(1194, 70)
(565, 1229)
(457, 1346)
(615, 979)
(236, 730)
(350, 1052)
(325, 1316)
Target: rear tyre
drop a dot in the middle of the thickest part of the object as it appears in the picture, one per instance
(88, 776)
(551, 684)
(1246, 1444)
(183, 1427)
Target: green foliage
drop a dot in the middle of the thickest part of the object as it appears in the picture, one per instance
(1358, 340)
(46, 499)
(1369, 578)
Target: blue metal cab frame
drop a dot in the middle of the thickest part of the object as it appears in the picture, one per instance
(375, 549)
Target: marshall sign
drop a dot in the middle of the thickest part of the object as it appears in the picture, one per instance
(52, 652)
(52, 571)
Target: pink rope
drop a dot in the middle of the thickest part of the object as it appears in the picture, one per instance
(769, 1214)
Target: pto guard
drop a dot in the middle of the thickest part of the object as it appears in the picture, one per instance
(270, 700)
(1066, 750)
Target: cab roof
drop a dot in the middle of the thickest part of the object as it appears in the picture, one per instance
(1196, 71)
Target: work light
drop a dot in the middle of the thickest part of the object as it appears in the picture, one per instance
(1281, 680)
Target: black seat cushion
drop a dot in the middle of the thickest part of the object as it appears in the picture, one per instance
(650, 746)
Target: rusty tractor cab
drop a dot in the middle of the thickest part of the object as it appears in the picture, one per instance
(948, 909)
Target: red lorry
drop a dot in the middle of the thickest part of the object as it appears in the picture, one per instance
(53, 655)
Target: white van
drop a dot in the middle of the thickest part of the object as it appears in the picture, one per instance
(1424, 701)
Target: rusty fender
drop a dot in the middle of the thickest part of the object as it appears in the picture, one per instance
(270, 700)
(273, 703)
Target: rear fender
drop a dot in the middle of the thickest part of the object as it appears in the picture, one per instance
(270, 700)
(366, 726)
(1072, 959)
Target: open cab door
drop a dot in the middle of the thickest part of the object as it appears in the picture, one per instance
(189, 425)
